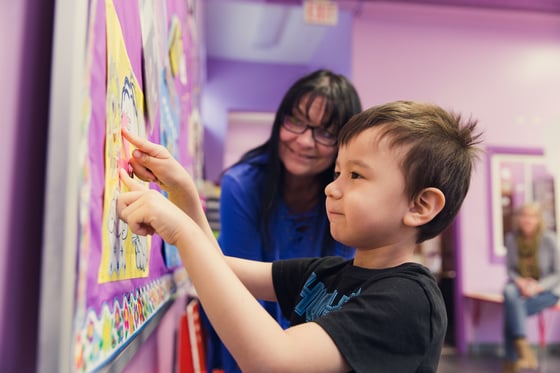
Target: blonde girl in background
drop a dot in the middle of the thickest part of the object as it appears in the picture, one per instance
(533, 268)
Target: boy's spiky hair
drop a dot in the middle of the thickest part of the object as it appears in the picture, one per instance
(440, 151)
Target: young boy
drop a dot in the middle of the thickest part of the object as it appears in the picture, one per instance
(402, 172)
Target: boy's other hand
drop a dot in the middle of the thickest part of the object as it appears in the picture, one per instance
(147, 211)
(152, 162)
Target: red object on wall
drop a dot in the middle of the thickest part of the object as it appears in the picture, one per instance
(191, 354)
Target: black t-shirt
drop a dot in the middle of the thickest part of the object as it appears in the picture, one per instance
(382, 320)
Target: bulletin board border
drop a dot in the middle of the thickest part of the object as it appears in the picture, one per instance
(121, 357)
(69, 111)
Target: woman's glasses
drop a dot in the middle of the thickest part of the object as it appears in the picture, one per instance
(320, 135)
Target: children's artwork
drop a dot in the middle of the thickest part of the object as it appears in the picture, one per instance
(169, 114)
(169, 137)
(123, 281)
(176, 52)
(125, 254)
(152, 17)
(196, 139)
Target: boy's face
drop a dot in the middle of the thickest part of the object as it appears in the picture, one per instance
(367, 201)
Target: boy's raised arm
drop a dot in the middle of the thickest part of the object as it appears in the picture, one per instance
(152, 162)
(255, 339)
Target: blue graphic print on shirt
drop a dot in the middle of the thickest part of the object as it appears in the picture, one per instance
(316, 301)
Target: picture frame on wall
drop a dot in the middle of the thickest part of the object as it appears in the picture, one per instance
(517, 176)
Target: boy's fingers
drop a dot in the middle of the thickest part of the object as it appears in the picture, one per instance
(129, 182)
(125, 207)
(142, 158)
(126, 199)
(134, 140)
(128, 211)
(141, 170)
(145, 146)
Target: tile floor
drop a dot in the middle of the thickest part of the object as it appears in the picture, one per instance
(487, 362)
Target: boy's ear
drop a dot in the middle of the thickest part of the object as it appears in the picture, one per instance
(427, 204)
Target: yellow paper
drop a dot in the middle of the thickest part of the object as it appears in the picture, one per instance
(176, 54)
(124, 254)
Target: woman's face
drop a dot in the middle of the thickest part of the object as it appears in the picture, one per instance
(529, 221)
(300, 153)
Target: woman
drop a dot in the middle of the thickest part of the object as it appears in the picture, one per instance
(533, 269)
(272, 202)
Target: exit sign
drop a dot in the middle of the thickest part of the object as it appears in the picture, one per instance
(320, 12)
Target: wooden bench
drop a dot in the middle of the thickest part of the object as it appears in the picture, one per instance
(479, 298)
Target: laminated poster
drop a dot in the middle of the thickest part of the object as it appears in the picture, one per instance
(123, 280)
(152, 20)
(124, 254)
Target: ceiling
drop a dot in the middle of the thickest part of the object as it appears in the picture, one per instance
(274, 31)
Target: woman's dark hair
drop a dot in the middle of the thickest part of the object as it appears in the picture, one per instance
(342, 102)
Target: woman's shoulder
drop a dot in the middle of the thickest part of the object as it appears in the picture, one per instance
(247, 171)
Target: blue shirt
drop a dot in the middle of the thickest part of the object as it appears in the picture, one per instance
(292, 235)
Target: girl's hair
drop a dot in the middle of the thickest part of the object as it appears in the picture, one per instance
(342, 102)
(533, 207)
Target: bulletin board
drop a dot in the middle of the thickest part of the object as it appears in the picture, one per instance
(141, 71)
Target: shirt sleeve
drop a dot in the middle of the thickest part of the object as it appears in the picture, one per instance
(551, 273)
(239, 206)
(511, 256)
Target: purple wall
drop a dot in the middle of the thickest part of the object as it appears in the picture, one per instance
(335, 51)
(25, 71)
(238, 86)
(498, 66)
(501, 67)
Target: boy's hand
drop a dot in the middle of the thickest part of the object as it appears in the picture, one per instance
(148, 211)
(152, 162)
